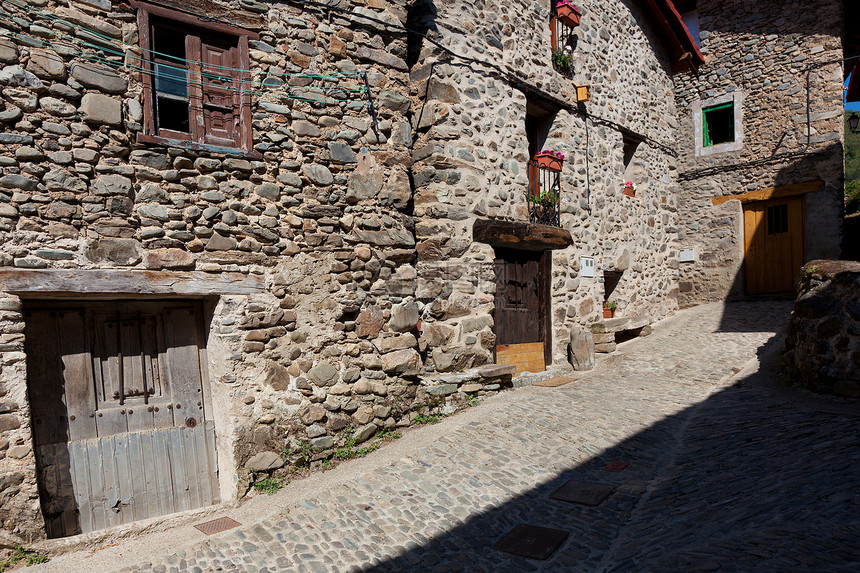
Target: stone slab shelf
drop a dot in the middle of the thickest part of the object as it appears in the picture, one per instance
(476, 380)
(607, 333)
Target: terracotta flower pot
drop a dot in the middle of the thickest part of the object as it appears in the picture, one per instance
(549, 162)
(630, 191)
(568, 15)
(608, 312)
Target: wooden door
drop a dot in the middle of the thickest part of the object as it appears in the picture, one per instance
(773, 244)
(122, 425)
(521, 309)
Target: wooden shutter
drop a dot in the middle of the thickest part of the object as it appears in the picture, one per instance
(220, 96)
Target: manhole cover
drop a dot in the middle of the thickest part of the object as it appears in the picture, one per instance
(217, 525)
(586, 493)
(615, 466)
(531, 541)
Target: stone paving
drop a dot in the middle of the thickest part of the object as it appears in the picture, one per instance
(722, 476)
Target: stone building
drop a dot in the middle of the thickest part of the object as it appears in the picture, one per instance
(761, 123)
(233, 228)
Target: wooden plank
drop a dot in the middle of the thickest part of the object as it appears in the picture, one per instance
(201, 465)
(182, 364)
(81, 487)
(526, 236)
(71, 282)
(751, 254)
(148, 473)
(760, 249)
(212, 460)
(181, 490)
(526, 357)
(123, 478)
(77, 374)
(236, 22)
(164, 480)
(107, 452)
(207, 480)
(189, 460)
(98, 497)
(773, 192)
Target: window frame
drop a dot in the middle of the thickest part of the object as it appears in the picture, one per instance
(707, 124)
(735, 99)
(198, 30)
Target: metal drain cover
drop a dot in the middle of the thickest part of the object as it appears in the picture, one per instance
(531, 541)
(217, 525)
(615, 466)
(584, 492)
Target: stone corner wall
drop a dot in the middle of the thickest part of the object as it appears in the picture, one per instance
(822, 346)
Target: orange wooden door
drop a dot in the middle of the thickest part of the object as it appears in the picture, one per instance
(773, 244)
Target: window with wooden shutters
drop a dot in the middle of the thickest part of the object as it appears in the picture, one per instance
(195, 81)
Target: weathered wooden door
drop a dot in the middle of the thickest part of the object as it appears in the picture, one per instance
(122, 425)
(521, 309)
(773, 244)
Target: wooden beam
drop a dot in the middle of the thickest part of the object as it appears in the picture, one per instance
(527, 236)
(104, 282)
(773, 192)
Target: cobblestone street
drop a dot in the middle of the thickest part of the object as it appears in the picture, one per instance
(725, 473)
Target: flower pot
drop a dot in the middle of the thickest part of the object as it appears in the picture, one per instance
(568, 15)
(549, 162)
(630, 191)
(608, 312)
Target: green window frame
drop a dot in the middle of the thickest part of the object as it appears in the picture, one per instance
(714, 133)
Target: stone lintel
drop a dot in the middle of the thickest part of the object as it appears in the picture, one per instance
(527, 236)
(76, 282)
(619, 324)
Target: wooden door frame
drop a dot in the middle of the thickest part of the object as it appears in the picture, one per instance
(88, 307)
(544, 299)
(764, 204)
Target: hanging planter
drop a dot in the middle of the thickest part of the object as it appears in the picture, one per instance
(568, 13)
(629, 189)
(550, 160)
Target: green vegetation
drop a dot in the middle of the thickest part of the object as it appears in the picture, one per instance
(268, 485)
(349, 451)
(21, 555)
(428, 419)
(473, 400)
(852, 197)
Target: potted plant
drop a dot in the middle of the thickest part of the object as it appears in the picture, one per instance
(609, 309)
(550, 160)
(563, 60)
(629, 189)
(568, 13)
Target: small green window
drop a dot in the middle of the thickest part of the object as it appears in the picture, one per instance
(718, 124)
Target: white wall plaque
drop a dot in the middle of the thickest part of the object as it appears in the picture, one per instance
(586, 266)
(687, 255)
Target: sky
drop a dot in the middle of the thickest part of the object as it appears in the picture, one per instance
(854, 105)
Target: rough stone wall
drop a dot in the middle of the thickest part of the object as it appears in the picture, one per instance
(356, 320)
(822, 348)
(471, 157)
(321, 213)
(762, 52)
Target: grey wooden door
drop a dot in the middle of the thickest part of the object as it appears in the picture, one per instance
(122, 424)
